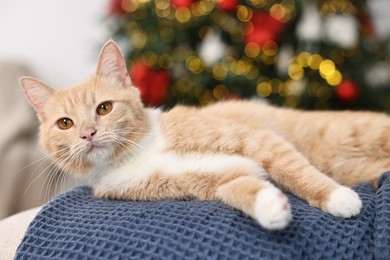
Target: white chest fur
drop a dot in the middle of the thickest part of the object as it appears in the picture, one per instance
(150, 158)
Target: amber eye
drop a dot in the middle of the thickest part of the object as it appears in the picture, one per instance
(65, 123)
(104, 108)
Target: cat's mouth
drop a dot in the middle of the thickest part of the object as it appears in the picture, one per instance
(93, 147)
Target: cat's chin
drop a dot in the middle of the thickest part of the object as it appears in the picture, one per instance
(97, 154)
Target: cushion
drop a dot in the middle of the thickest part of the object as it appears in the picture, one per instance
(77, 225)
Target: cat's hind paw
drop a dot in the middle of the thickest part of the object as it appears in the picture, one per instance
(272, 209)
(344, 202)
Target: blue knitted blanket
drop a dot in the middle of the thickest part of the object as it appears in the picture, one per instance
(77, 226)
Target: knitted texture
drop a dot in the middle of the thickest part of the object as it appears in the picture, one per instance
(77, 226)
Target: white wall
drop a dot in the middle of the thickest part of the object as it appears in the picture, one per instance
(59, 39)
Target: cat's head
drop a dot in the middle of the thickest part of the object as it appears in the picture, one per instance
(91, 123)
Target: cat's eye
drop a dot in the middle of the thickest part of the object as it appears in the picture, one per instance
(65, 123)
(104, 108)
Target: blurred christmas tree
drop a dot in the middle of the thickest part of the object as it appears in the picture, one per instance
(310, 54)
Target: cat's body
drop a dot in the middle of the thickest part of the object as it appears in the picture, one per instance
(231, 151)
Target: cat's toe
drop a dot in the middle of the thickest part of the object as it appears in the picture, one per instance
(344, 202)
(272, 209)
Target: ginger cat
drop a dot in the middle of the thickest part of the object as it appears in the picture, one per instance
(237, 152)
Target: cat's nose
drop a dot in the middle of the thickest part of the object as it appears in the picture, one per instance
(88, 134)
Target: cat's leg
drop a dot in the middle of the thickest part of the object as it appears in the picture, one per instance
(258, 199)
(235, 180)
(292, 171)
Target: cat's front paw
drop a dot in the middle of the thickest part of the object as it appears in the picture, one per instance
(272, 209)
(343, 202)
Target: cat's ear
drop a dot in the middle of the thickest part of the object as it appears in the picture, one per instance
(36, 92)
(111, 63)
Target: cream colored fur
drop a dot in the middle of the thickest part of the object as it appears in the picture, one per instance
(239, 152)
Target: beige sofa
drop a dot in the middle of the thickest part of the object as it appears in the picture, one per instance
(26, 179)
(12, 230)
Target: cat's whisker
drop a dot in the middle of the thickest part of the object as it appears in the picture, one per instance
(40, 166)
(125, 144)
(63, 172)
(51, 175)
(79, 156)
(44, 158)
(64, 180)
(122, 143)
(58, 183)
(128, 141)
(29, 165)
(36, 178)
(122, 139)
(49, 179)
(125, 131)
(135, 127)
(55, 171)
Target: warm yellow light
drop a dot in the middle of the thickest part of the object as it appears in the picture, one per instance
(202, 7)
(335, 78)
(194, 64)
(275, 82)
(282, 12)
(295, 71)
(151, 58)
(331, 7)
(240, 67)
(327, 68)
(284, 89)
(264, 89)
(220, 71)
(205, 98)
(162, 4)
(128, 6)
(183, 86)
(302, 59)
(270, 48)
(252, 50)
(163, 8)
(138, 39)
(278, 12)
(249, 28)
(314, 61)
(183, 14)
(244, 13)
(258, 3)
(292, 101)
(220, 92)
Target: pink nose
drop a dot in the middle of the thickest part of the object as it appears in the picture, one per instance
(88, 134)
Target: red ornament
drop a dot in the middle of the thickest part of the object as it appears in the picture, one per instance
(347, 91)
(227, 5)
(152, 83)
(262, 28)
(116, 7)
(366, 23)
(233, 96)
(182, 3)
